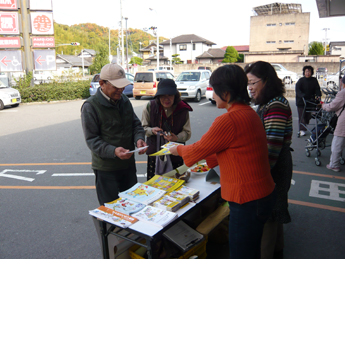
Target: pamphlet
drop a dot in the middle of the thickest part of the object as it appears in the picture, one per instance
(183, 198)
(117, 218)
(165, 183)
(191, 192)
(138, 149)
(142, 193)
(167, 203)
(125, 205)
(156, 216)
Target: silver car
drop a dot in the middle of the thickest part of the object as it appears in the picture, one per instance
(193, 84)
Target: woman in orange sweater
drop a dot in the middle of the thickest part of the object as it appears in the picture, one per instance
(236, 141)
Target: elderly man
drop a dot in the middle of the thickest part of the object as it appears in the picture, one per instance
(111, 128)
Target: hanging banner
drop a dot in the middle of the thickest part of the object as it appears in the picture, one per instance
(42, 23)
(45, 60)
(43, 42)
(41, 5)
(9, 23)
(11, 61)
(10, 42)
(8, 5)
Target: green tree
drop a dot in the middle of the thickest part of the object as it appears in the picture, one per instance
(136, 60)
(176, 59)
(101, 59)
(241, 58)
(315, 48)
(231, 55)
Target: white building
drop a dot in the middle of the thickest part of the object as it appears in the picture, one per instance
(187, 46)
(337, 48)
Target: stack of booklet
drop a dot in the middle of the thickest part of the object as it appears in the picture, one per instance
(167, 203)
(181, 197)
(191, 192)
(168, 184)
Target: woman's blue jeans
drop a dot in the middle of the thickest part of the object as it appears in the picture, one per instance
(246, 224)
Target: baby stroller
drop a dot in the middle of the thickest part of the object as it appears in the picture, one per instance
(310, 109)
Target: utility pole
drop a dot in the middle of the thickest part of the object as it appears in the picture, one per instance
(325, 37)
(25, 17)
(126, 46)
(122, 45)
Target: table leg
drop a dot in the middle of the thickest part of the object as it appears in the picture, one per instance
(104, 237)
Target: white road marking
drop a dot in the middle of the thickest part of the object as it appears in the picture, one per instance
(74, 174)
(293, 182)
(327, 190)
(204, 103)
(16, 177)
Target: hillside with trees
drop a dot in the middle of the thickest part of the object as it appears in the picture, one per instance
(92, 36)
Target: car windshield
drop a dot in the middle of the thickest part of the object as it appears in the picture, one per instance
(96, 78)
(144, 77)
(189, 76)
(2, 84)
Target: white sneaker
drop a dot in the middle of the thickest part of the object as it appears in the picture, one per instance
(301, 133)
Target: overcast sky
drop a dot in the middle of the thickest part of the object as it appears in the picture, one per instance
(222, 22)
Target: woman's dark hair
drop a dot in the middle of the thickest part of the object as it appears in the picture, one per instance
(310, 68)
(232, 79)
(177, 99)
(273, 86)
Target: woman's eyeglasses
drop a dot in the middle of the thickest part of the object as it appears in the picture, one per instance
(252, 84)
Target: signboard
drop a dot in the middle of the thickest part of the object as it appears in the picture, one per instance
(9, 23)
(11, 61)
(41, 5)
(10, 42)
(42, 23)
(8, 5)
(43, 42)
(44, 60)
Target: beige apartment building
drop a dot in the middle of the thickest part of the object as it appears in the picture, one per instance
(278, 32)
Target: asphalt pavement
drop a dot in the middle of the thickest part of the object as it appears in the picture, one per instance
(47, 187)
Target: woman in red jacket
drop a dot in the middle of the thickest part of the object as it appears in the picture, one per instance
(236, 141)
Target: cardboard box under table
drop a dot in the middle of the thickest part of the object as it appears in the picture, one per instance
(146, 235)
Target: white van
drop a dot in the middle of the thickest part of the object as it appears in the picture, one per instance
(8, 96)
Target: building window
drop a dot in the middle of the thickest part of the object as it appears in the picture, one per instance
(193, 46)
(290, 23)
(271, 24)
(270, 42)
(183, 46)
(289, 41)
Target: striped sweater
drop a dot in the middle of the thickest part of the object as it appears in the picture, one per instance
(236, 141)
(277, 120)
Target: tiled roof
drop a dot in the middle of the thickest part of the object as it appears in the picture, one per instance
(213, 53)
(187, 39)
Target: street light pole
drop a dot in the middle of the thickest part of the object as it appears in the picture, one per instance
(122, 49)
(109, 46)
(126, 46)
(151, 9)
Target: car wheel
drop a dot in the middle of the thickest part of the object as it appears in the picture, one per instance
(198, 96)
(1, 105)
(213, 102)
(287, 80)
(137, 97)
(15, 105)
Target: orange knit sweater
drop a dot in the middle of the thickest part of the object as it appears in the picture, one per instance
(236, 141)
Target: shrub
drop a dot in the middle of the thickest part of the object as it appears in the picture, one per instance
(54, 91)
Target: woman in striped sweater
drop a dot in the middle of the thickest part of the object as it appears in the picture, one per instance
(236, 141)
(274, 110)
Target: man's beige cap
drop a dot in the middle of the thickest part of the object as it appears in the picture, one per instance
(115, 74)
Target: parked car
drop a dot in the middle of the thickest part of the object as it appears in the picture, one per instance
(288, 77)
(128, 91)
(332, 80)
(193, 83)
(321, 72)
(209, 94)
(8, 96)
(42, 76)
(145, 83)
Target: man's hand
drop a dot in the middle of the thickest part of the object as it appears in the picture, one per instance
(123, 153)
(155, 130)
(170, 137)
(141, 143)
